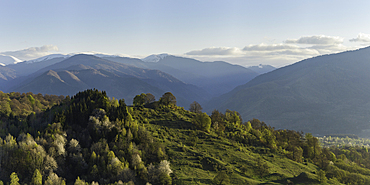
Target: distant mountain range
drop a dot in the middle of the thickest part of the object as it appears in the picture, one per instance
(215, 77)
(322, 95)
(81, 71)
(122, 77)
(67, 82)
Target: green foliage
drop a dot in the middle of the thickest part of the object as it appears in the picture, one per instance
(5, 108)
(261, 168)
(31, 99)
(232, 117)
(202, 121)
(149, 98)
(143, 99)
(37, 178)
(322, 177)
(139, 99)
(164, 179)
(80, 182)
(168, 99)
(26, 103)
(93, 138)
(14, 180)
(54, 179)
(195, 107)
(221, 178)
(328, 141)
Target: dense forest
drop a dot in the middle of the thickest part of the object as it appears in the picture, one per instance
(90, 138)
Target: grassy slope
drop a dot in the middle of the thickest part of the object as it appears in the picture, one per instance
(197, 161)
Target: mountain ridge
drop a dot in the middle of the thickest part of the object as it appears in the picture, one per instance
(118, 74)
(216, 77)
(321, 95)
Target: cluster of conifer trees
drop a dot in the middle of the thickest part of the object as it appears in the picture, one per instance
(87, 137)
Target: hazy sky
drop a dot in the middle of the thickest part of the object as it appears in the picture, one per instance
(243, 32)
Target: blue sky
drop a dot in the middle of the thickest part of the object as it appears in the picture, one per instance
(240, 32)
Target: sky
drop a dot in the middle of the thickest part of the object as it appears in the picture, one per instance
(241, 32)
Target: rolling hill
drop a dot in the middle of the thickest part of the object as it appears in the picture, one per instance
(322, 95)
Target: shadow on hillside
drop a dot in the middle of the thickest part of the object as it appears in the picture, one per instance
(302, 178)
(196, 181)
(174, 124)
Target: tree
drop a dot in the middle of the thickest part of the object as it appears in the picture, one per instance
(221, 178)
(164, 179)
(137, 163)
(54, 179)
(218, 121)
(164, 167)
(164, 171)
(233, 117)
(14, 180)
(150, 98)
(37, 178)
(79, 181)
(74, 146)
(168, 99)
(195, 107)
(139, 99)
(312, 147)
(202, 121)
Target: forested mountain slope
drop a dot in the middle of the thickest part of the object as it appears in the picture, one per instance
(90, 138)
(324, 95)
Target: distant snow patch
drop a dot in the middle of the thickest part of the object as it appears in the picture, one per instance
(8, 59)
(154, 58)
(47, 57)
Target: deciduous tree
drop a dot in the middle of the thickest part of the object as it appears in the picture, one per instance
(168, 99)
(150, 98)
(195, 107)
(139, 99)
(202, 121)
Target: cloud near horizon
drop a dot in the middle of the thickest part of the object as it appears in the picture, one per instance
(32, 53)
(216, 51)
(278, 55)
(267, 47)
(317, 40)
(361, 37)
